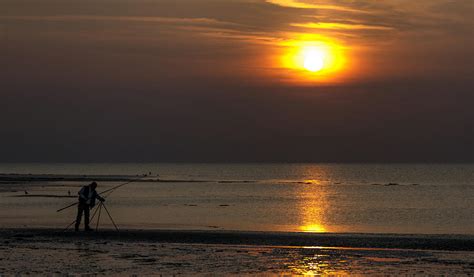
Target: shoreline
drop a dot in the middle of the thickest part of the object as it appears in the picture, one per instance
(171, 253)
(16, 178)
(219, 237)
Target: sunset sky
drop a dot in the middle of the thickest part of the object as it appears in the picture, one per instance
(237, 80)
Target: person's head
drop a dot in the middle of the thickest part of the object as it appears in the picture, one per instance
(93, 185)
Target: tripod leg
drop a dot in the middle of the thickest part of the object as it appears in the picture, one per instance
(111, 219)
(98, 218)
(72, 223)
(96, 209)
(65, 229)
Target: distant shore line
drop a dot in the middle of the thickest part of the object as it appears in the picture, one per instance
(14, 178)
(375, 241)
(23, 178)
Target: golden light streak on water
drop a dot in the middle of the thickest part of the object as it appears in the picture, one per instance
(313, 205)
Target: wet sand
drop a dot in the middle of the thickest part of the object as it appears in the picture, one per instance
(51, 251)
(381, 241)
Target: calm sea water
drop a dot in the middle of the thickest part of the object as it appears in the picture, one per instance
(374, 198)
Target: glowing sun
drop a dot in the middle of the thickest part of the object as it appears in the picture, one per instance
(313, 59)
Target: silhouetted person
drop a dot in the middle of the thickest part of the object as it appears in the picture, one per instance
(87, 196)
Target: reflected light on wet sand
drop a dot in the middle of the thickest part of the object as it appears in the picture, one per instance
(317, 269)
(316, 264)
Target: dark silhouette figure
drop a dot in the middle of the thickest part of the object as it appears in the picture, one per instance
(26, 192)
(87, 196)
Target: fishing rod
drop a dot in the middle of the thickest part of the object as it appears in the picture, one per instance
(106, 191)
(121, 185)
(101, 204)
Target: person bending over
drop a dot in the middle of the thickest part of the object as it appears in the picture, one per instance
(87, 196)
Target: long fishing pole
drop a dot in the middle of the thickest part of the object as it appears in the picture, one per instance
(67, 207)
(105, 191)
(121, 185)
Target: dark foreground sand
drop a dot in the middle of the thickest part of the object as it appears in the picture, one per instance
(152, 252)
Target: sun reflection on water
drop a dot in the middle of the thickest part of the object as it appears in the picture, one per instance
(313, 228)
(313, 206)
(312, 181)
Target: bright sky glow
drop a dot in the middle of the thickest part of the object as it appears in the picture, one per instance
(314, 60)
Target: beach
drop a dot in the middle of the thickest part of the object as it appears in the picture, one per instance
(240, 219)
(128, 252)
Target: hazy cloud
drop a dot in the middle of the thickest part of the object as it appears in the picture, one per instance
(301, 4)
(151, 19)
(340, 26)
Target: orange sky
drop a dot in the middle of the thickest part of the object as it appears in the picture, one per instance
(246, 39)
(408, 64)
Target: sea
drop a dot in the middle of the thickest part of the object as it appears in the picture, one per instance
(270, 197)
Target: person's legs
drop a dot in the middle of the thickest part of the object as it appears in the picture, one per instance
(86, 217)
(80, 209)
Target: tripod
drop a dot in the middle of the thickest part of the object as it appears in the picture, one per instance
(97, 209)
(106, 194)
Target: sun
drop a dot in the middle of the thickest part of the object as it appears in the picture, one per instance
(313, 58)
(317, 60)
